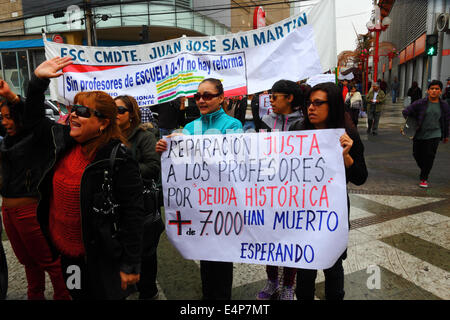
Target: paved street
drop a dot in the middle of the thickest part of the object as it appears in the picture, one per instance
(397, 229)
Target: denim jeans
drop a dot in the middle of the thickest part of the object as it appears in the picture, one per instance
(394, 96)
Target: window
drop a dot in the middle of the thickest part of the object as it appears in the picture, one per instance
(183, 3)
(10, 70)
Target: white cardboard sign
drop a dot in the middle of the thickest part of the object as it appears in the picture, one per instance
(276, 198)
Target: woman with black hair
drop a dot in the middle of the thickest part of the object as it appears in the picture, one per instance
(22, 168)
(286, 100)
(142, 145)
(325, 110)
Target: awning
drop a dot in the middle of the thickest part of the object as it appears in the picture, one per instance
(21, 44)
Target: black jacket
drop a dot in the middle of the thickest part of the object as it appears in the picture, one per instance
(255, 112)
(169, 114)
(415, 93)
(142, 145)
(105, 256)
(22, 162)
(357, 173)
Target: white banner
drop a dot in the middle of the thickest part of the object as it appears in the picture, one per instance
(262, 198)
(295, 48)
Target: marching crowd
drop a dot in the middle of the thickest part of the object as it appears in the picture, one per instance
(84, 195)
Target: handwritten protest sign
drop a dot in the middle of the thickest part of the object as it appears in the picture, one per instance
(246, 62)
(262, 198)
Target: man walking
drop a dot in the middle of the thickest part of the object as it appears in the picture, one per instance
(433, 117)
(394, 90)
(375, 101)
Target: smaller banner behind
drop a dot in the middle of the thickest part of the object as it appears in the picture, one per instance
(159, 81)
(262, 198)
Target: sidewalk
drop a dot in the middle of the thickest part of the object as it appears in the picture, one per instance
(399, 232)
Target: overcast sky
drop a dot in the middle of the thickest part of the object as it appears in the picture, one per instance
(357, 12)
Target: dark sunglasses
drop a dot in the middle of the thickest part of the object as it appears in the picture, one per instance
(85, 112)
(206, 96)
(273, 96)
(122, 110)
(315, 103)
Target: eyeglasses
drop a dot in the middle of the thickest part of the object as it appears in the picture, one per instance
(122, 110)
(85, 112)
(315, 103)
(273, 96)
(206, 96)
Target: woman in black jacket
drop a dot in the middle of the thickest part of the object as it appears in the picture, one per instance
(142, 144)
(325, 110)
(98, 236)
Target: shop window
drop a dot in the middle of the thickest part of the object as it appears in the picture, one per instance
(10, 70)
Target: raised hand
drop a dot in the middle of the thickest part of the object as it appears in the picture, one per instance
(49, 68)
(5, 91)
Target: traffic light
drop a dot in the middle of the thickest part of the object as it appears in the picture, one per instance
(143, 35)
(431, 48)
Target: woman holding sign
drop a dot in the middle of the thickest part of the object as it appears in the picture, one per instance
(325, 110)
(286, 100)
(217, 277)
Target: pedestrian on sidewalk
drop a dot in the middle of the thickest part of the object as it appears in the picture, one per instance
(433, 118)
(446, 95)
(325, 110)
(394, 89)
(414, 92)
(287, 101)
(375, 102)
(354, 101)
(22, 168)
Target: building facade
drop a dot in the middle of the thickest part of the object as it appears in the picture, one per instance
(412, 21)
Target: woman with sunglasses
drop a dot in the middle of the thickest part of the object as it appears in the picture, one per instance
(22, 168)
(100, 247)
(286, 100)
(217, 277)
(142, 144)
(325, 110)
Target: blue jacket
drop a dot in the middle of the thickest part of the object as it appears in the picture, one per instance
(215, 123)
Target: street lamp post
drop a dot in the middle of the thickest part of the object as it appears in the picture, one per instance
(376, 25)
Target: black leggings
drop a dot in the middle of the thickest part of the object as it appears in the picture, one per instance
(217, 280)
(424, 152)
(334, 283)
